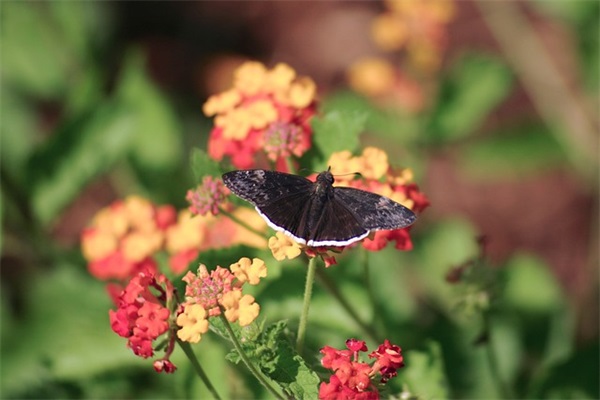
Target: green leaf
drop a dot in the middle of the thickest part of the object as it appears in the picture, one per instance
(531, 287)
(63, 334)
(203, 165)
(336, 131)
(157, 143)
(276, 357)
(474, 87)
(34, 56)
(424, 373)
(511, 154)
(76, 154)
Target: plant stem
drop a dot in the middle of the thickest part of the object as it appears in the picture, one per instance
(249, 364)
(505, 390)
(310, 280)
(241, 223)
(334, 291)
(369, 287)
(187, 349)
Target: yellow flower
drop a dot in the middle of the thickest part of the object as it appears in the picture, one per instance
(389, 32)
(113, 220)
(261, 113)
(249, 271)
(235, 124)
(375, 163)
(279, 78)
(250, 77)
(240, 308)
(187, 233)
(97, 244)
(193, 322)
(137, 245)
(140, 213)
(221, 102)
(283, 247)
(302, 92)
(372, 76)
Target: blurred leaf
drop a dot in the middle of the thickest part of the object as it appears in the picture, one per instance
(34, 55)
(18, 133)
(336, 131)
(531, 287)
(84, 25)
(203, 165)
(524, 149)
(575, 378)
(424, 373)
(64, 333)
(389, 123)
(157, 143)
(75, 155)
(474, 87)
(447, 244)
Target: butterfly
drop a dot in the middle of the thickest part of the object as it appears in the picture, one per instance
(316, 213)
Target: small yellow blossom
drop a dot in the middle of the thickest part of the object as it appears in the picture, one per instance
(97, 244)
(238, 307)
(113, 220)
(372, 76)
(261, 113)
(375, 163)
(249, 271)
(140, 213)
(283, 247)
(221, 102)
(187, 233)
(389, 32)
(250, 77)
(302, 92)
(236, 123)
(193, 323)
(279, 78)
(138, 245)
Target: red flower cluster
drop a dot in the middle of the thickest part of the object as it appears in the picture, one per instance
(353, 379)
(142, 315)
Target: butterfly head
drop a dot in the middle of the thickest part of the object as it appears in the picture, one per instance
(324, 181)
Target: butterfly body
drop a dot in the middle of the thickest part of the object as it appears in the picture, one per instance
(316, 213)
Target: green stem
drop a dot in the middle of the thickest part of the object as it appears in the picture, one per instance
(505, 390)
(249, 364)
(310, 280)
(241, 223)
(334, 291)
(187, 349)
(364, 258)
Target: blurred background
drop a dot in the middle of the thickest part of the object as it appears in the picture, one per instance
(494, 105)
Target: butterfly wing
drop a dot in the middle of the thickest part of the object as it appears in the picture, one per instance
(375, 212)
(337, 226)
(282, 200)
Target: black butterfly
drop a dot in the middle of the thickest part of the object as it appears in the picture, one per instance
(316, 213)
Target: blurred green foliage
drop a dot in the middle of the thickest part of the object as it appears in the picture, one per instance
(56, 338)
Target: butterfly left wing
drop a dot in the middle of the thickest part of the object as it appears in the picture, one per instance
(261, 187)
(374, 211)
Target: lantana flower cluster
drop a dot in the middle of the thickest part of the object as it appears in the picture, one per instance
(353, 379)
(143, 315)
(417, 27)
(124, 237)
(209, 294)
(264, 117)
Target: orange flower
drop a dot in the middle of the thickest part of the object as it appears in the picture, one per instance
(260, 98)
(124, 237)
(283, 247)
